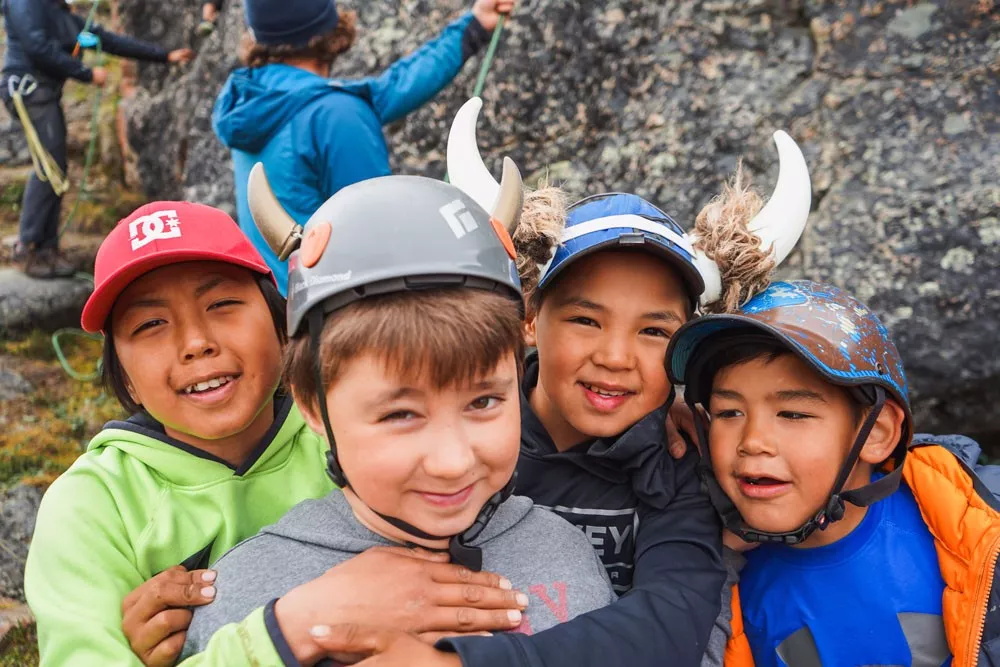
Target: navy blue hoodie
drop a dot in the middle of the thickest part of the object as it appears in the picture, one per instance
(656, 532)
(41, 36)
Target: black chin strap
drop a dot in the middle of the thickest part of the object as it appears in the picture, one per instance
(832, 511)
(458, 545)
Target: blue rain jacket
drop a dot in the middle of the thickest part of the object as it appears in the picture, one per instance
(316, 135)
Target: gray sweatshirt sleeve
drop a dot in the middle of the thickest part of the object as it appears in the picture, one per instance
(249, 576)
(722, 631)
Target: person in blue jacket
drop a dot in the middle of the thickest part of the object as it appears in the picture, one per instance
(41, 54)
(315, 135)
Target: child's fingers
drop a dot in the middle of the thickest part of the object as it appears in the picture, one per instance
(166, 652)
(464, 619)
(434, 637)
(448, 573)
(479, 597)
(175, 587)
(147, 636)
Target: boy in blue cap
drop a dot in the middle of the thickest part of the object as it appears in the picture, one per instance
(873, 547)
(315, 135)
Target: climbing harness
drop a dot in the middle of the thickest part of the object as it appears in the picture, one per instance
(46, 167)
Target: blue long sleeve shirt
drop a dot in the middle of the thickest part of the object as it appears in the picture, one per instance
(316, 135)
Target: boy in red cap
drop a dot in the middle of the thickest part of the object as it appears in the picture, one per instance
(194, 329)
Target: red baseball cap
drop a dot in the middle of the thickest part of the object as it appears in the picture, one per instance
(158, 234)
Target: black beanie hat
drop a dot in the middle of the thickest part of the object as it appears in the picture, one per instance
(292, 22)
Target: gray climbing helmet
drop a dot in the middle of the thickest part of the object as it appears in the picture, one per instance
(390, 234)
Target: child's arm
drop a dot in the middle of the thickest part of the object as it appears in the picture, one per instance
(664, 619)
(414, 80)
(79, 568)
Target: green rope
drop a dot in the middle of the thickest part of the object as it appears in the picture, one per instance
(95, 117)
(484, 68)
(491, 52)
(64, 362)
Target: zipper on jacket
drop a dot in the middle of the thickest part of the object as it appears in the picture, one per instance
(982, 595)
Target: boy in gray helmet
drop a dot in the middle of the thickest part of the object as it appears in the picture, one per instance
(404, 315)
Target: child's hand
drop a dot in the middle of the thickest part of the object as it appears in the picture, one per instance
(488, 12)
(680, 418)
(155, 618)
(405, 589)
(209, 12)
(379, 648)
(732, 541)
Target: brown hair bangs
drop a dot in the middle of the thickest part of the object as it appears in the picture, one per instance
(448, 337)
(325, 47)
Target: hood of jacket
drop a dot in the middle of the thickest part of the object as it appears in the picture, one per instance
(637, 457)
(144, 439)
(255, 103)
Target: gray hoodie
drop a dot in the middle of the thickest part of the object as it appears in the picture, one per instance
(540, 553)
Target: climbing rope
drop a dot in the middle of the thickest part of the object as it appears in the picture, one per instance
(88, 40)
(484, 68)
(491, 52)
(64, 362)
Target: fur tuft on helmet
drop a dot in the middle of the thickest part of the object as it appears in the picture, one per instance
(723, 233)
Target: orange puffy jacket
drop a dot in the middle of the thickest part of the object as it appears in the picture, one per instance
(963, 515)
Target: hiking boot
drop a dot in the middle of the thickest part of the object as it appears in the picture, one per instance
(47, 263)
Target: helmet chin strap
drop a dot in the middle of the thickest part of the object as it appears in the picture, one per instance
(458, 545)
(832, 510)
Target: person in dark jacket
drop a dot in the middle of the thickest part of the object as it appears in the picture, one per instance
(315, 135)
(41, 55)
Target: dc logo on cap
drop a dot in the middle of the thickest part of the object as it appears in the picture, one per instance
(154, 227)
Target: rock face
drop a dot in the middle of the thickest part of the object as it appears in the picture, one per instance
(18, 508)
(27, 303)
(893, 102)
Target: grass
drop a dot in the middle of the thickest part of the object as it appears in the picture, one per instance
(19, 648)
(42, 433)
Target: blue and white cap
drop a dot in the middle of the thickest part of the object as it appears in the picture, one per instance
(618, 220)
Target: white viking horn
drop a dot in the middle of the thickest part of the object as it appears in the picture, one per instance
(281, 232)
(779, 224)
(466, 170)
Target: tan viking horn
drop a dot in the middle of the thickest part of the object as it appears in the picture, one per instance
(510, 198)
(466, 170)
(281, 232)
(779, 224)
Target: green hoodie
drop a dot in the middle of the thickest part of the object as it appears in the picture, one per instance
(138, 502)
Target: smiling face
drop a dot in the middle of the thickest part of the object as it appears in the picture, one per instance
(602, 332)
(200, 353)
(431, 456)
